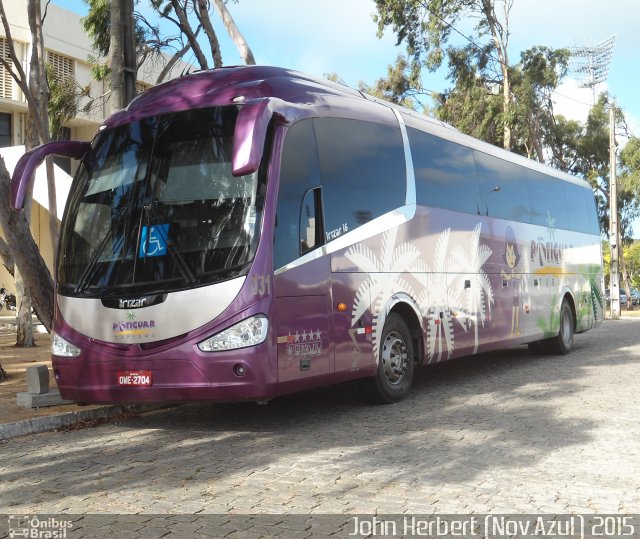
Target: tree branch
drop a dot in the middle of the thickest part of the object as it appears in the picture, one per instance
(203, 16)
(188, 31)
(234, 33)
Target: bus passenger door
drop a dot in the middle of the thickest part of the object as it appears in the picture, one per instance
(302, 300)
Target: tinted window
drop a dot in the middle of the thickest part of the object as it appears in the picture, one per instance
(503, 192)
(5, 130)
(581, 208)
(299, 171)
(445, 173)
(310, 221)
(363, 172)
(156, 205)
(547, 200)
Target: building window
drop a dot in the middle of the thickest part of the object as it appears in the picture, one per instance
(62, 66)
(6, 82)
(5, 130)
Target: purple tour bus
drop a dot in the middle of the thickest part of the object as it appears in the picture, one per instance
(247, 232)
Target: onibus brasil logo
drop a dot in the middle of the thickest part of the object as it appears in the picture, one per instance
(36, 527)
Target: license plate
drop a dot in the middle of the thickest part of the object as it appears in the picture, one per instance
(134, 378)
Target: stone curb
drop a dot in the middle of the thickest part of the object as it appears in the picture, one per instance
(48, 423)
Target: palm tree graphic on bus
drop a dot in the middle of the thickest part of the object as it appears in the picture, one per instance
(439, 298)
(384, 271)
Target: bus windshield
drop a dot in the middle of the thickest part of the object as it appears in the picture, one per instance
(155, 208)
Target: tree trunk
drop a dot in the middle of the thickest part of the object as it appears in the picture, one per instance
(35, 273)
(130, 71)
(506, 106)
(172, 62)
(234, 33)
(186, 28)
(117, 57)
(123, 55)
(17, 233)
(37, 133)
(205, 20)
(500, 35)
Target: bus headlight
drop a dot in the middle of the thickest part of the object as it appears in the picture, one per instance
(62, 348)
(249, 332)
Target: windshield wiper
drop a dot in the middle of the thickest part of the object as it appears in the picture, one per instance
(90, 270)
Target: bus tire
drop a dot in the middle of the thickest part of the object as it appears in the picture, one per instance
(563, 342)
(396, 363)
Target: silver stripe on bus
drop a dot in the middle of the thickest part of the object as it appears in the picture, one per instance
(379, 225)
(411, 178)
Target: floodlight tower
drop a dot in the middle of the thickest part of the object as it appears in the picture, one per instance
(591, 64)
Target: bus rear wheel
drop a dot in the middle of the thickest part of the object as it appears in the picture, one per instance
(563, 342)
(396, 363)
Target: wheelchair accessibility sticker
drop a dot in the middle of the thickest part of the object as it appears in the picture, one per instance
(153, 241)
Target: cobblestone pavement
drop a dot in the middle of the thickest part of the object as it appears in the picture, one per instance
(507, 432)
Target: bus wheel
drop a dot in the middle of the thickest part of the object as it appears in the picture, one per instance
(396, 363)
(563, 343)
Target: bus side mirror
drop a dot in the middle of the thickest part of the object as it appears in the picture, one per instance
(251, 133)
(26, 166)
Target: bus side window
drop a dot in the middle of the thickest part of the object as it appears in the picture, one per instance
(581, 207)
(445, 173)
(548, 206)
(503, 192)
(311, 221)
(363, 172)
(299, 175)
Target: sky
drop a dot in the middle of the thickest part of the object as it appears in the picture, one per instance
(339, 36)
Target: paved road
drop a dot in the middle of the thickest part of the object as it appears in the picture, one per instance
(503, 433)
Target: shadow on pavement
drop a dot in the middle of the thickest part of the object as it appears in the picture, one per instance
(463, 418)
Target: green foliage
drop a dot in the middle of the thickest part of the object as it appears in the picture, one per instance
(591, 148)
(532, 82)
(632, 263)
(591, 274)
(551, 325)
(100, 71)
(474, 104)
(63, 101)
(97, 24)
(421, 25)
(606, 262)
(401, 85)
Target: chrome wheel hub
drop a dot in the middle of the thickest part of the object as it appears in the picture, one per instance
(394, 358)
